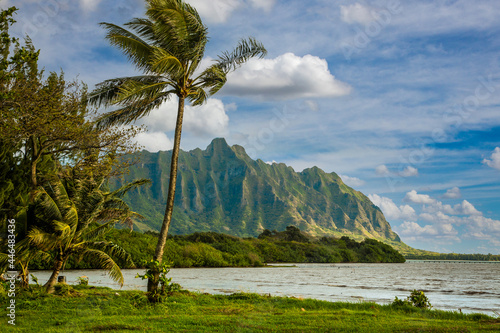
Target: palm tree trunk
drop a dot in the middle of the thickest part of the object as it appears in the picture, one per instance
(49, 286)
(153, 283)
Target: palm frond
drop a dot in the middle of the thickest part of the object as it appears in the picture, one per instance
(135, 92)
(107, 92)
(163, 62)
(102, 260)
(212, 78)
(130, 186)
(136, 49)
(97, 232)
(130, 113)
(197, 96)
(43, 240)
(245, 50)
(113, 250)
(178, 28)
(143, 27)
(62, 229)
(48, 204)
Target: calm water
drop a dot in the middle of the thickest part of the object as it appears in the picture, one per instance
(472, 287)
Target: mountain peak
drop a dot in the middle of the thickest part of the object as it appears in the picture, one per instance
(218, 146)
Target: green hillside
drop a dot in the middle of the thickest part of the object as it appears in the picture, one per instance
(222, 189)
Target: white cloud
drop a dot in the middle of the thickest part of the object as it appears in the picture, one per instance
(352, 181)
(484, 228)
(414, 229)
(356, 13)
(391, 211)
(463, 208)
(494, 161)
(285, 77)
(382, 170)
(427, 233)
(409, 171)
(154, 141)
(467, 208)
(452, 193)
(207, 120)
(414, 197)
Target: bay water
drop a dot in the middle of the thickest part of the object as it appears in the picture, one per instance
(454, 286)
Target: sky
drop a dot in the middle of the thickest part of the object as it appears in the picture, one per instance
(400, 98)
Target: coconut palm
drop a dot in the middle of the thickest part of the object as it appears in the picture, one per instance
(168, 46)
(76, 223)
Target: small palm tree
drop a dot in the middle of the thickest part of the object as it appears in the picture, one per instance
(73, 225)
(168, 46)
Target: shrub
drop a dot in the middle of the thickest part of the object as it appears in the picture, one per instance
(83, 281)
(417, 299)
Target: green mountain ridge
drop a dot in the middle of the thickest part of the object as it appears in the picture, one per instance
(222, 189)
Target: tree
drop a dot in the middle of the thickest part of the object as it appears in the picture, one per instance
(168, 46)
(16, 62)
(79, 212)
(45, 127)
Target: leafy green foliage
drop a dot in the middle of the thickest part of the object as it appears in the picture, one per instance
(166, 285)
(212, 249)
(417, 299)
(55, 162)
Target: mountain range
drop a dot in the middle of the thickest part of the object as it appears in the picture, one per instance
(222, 189)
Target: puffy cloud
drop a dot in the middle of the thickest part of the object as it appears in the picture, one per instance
(467, 208)
(352, 181)
(356, 13)
(207, 120)
(414, 197)
(391, 210)
(440, 218)
(409, 171)
(463, 208)
(154, 141)
(484, 228)
(285, 77)
(494, 161)
(382, 170)
(452, 193)
(414, 229)
(428, 233)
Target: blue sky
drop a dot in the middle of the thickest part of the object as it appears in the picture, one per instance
(400, 98)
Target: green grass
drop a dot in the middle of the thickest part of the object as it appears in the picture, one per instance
(88, 309)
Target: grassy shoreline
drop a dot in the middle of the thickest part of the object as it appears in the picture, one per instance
(98, 309)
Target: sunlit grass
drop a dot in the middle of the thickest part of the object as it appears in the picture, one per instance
(90, 309)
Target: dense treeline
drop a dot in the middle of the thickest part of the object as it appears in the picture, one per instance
(55, 205)
(455, 256)
(210, 249)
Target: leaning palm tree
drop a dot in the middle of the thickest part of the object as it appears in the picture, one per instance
(168, 46)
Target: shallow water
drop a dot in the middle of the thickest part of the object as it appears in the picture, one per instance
(471, 287)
